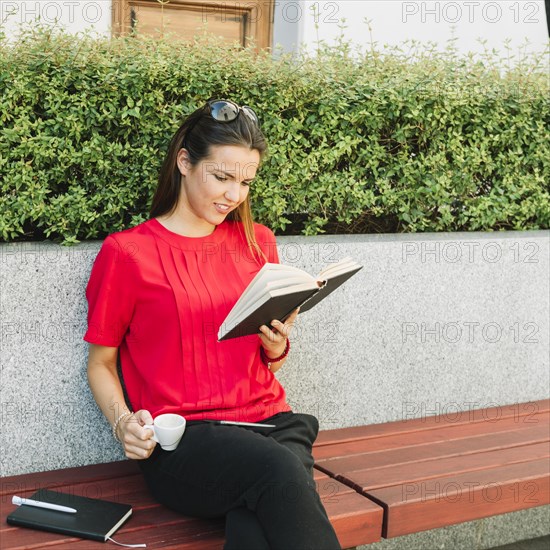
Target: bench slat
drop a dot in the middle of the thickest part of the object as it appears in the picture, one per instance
(516, 410)
(128, 489)
(58, 478)
(368, 479)
(454, 499)
(413, 453)
(447, 432)
(133, 489)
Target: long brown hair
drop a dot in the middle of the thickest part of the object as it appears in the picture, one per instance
(198, 133)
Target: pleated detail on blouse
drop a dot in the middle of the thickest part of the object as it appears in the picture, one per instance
(206, 282)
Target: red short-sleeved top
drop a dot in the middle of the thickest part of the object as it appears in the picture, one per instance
(160, 298)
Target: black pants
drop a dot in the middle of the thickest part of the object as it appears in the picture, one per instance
(260, 479)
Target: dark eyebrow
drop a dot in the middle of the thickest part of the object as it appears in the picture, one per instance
(231, 175)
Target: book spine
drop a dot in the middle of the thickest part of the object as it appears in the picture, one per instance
(309, 297)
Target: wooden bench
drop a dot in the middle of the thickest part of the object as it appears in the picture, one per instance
(440, 470)
(382, 480)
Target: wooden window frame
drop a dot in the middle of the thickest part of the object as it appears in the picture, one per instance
(263, 25)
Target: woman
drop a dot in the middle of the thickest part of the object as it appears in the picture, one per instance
(157, 294)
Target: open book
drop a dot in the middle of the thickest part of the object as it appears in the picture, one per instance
(277, 290)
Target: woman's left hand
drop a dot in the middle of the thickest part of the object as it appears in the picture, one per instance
(274, 340)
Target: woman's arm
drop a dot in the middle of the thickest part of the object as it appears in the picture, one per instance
(275, 366)
(107, 392)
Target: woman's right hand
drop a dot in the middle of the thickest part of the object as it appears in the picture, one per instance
(136, 439)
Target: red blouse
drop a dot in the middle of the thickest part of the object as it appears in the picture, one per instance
(160, 298)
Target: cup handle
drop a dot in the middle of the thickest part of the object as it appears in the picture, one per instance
(151, 427)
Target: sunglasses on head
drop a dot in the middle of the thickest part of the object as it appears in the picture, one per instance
(223, 110)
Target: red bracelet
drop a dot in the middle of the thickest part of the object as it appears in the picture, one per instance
(267, 361)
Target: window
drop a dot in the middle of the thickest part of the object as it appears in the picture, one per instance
(233, 20)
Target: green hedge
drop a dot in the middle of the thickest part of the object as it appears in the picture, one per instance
(388, 141)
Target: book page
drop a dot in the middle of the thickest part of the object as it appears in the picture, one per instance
(269, 272)
(343, 266)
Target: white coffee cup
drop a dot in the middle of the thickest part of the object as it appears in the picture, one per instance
(168, 430)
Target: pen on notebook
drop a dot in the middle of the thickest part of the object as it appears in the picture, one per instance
(18, 501)
(234, 422)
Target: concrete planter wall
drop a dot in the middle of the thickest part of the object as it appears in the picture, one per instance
(433, 324)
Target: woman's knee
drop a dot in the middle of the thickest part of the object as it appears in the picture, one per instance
(297, 428)
(285, 474)
(312, 423)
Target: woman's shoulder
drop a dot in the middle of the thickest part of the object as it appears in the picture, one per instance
(140, 230)
(129, 240)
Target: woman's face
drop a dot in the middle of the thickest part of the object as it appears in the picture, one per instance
(216, 185)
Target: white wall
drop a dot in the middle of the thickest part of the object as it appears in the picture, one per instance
(73, 15)
(393, 21)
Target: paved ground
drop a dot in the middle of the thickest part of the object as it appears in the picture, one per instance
(542, 543)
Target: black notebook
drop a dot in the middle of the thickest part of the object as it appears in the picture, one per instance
(277, 290)
(95, 519)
